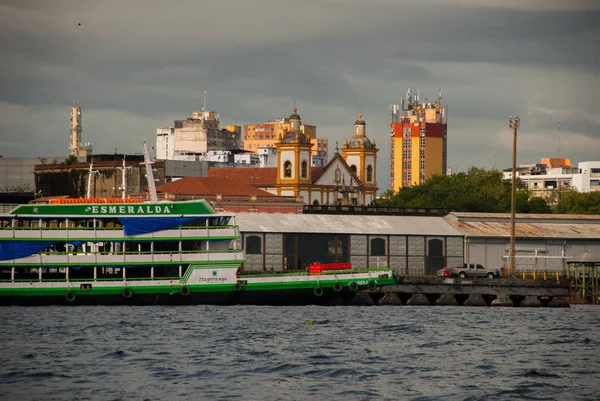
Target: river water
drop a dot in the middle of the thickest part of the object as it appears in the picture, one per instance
(299, 353)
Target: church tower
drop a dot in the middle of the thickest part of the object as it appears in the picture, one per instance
(360, 153)
(293, 161)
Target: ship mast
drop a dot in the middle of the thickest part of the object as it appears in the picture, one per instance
(124, 179)
(150, 175)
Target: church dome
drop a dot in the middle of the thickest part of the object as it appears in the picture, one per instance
(290, 137)
(294, 115)
(359, 142)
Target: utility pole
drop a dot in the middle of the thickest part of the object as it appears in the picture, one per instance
(514, 123)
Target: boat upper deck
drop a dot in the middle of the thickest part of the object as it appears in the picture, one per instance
(117, 220)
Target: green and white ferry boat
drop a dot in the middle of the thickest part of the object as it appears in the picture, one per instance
(113, 251)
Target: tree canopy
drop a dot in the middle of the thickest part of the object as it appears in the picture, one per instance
(482, 190)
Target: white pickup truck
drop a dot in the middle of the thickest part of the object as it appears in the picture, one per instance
(474, 270)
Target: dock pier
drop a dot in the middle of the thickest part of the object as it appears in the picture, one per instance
(507, 292)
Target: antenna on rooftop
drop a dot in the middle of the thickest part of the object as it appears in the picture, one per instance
(439, 96)
(204, 107)
(559, 128)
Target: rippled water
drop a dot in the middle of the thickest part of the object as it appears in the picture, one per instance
(258, 353)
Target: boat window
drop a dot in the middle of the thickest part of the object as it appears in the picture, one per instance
(27, 273)
(378, 247)
(133, 272)
(5, 273)
(81, 273)
(253, 245)
(166, 271)
(166, 246)
(109, 272)
(138, 247)
(200, 222)
(191, 245)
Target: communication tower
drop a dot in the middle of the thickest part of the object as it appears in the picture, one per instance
(75, 129)
(76, 147)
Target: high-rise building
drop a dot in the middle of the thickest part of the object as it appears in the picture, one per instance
(191, 139)
(257, 136)
(418, 141)
(76, 147)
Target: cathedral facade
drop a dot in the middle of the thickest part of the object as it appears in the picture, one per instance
(349, 178)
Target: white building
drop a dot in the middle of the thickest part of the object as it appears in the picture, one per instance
(196, 136)
(267, 156)
(541, 180)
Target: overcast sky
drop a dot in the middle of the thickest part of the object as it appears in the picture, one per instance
(137, 65)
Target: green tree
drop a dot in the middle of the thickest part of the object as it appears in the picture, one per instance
(539, 206)
(477, 190)
(70, 160)
(573, 202)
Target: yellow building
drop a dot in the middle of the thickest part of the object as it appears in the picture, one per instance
(360, 153)
(418, 143)
(349, 178)
(266, 135)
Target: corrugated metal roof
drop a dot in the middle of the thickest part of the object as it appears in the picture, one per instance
(344, 224)
(568, 218)
(526, 226)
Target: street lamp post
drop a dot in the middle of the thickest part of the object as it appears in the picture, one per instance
(514, 123)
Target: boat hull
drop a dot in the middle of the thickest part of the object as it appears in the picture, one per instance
(257, 297)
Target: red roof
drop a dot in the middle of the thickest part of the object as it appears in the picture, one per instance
(206, 186)
(258, 176)
(262, 176)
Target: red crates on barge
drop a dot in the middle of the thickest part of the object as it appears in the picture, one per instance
(319, 268)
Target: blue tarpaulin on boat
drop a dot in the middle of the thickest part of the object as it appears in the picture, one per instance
(143, 225)
(20, 249)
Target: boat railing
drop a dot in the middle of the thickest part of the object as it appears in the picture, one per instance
(83, 228)
(279, 273)
(83, 279)
(193, 251)
(6, 208)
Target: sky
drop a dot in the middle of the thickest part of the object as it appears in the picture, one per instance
(137, 65)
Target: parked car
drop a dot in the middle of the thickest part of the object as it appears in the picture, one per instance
(444, 273)
(474, 270)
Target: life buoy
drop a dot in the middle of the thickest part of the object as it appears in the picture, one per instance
(353, 286)
(371, 284)
(184, 290)
(126, 293)
(337, 286)
(318, 291)
(70, 296)
(238, 287)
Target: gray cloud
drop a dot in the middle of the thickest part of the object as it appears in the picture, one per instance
(138, 65)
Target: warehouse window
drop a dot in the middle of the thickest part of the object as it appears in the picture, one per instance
(253, 245)
(377, 247)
